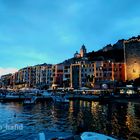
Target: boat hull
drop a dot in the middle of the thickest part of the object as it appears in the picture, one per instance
(95, 136)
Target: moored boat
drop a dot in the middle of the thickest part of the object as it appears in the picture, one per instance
(95, 136)
(69, 136)
(55, 136)
(60, 99)
(29, 101)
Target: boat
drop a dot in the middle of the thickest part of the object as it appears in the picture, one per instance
(29, 101)
(60, 99)
(95, 136)
(69, 136)
(55, 136)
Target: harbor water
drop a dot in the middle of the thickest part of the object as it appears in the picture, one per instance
(117, 119)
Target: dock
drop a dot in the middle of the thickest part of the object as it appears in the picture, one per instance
(96, 98)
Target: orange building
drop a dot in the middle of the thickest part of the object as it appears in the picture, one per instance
(109, 71)
(119, 71)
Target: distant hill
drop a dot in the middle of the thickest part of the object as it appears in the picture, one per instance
(113, 52)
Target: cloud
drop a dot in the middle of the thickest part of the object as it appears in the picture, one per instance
(4, 71)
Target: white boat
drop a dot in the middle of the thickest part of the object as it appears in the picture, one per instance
(95, 136)
(31, 100)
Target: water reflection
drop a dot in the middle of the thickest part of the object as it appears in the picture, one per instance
(115, 119)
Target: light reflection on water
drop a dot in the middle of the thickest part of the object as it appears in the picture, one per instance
(115, 119)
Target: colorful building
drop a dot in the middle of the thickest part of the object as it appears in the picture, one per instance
(57, 75)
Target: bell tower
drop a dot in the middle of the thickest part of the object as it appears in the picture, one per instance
(83, 51)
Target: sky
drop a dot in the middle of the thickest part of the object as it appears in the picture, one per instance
(50, 31)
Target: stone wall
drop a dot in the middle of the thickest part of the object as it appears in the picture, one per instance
(132, 59)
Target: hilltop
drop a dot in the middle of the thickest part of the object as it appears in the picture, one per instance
(113, 52)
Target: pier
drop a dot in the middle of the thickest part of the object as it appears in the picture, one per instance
(84, 97)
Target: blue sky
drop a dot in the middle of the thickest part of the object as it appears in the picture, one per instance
(38, 31)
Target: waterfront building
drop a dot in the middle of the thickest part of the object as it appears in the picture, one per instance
(132, 58)
(5, 80)
(106, 71)
(49, 78)
(38, 75)
(66, 75)
(82, 73)
(43, 76)
(98, 71)
(14, 80)
(22, 78)
(118, 71)
(25, 76)
(57, 75)
(79, 71)
(75, 77)
(33, 76)
(89, 74)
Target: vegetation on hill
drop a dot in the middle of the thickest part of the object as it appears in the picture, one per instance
(116, 55)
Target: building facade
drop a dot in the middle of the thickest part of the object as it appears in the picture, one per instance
(5, 80)
(78, 71)
(57, 75)
(66, 75)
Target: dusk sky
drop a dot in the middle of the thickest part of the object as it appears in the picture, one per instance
(50, 31)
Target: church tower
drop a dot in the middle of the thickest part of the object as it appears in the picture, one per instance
(83, 51)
